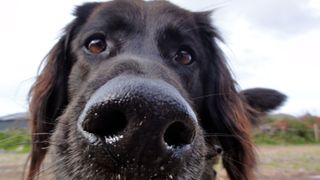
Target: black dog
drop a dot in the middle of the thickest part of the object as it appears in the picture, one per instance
(140, 90)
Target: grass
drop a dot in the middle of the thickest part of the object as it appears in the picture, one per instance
(14, 140)
(281, 139)
(286, 131)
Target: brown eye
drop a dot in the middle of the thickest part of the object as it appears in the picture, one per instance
(183, 57)
(96, 45)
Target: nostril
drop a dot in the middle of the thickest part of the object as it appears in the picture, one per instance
(179, 134)
(218, 149)
(105, 122)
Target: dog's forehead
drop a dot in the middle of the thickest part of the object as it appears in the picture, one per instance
(141, 14)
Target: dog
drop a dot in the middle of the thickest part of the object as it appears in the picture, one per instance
(141, 90)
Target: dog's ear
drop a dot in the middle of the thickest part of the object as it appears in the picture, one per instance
(224, 116)
(262, 101)
(49, 96)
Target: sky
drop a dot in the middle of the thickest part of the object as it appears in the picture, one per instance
(268, 43)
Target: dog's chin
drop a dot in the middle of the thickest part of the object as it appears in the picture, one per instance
(124, 166)
(94, 166)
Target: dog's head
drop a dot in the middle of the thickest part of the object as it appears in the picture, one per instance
(140, 90)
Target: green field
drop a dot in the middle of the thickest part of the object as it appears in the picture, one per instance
(18, 141)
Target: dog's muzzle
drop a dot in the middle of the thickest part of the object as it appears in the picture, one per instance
(140, 119)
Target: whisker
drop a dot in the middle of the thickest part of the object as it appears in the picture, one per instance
(10, 138)
(214, 5)
(210, 95)
(41, 173)
(236, 171)
(227, 135)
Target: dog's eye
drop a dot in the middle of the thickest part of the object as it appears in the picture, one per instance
(96, 45)
(183, 57)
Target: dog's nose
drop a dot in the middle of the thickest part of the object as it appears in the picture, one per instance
(111, 119)
(137, 117)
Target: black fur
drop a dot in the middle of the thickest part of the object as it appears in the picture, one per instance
(142, 41)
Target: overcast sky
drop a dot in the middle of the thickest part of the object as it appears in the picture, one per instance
(269, 43)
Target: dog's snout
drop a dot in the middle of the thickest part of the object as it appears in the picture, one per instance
(140, 116)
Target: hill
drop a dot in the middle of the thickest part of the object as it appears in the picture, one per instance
(14, 121)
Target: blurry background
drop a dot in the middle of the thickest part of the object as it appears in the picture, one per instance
(268, 43)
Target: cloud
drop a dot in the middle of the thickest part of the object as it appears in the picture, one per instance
(275, 44)
(283, 18)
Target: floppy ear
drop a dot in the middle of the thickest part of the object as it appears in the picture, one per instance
(49, 96)
(262, 101)
(224, 116)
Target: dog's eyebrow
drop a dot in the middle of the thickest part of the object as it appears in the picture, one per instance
(112, 24)
(177, 34)
(172, 33)
(170, 38)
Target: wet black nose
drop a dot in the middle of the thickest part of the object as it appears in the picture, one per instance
(106, 120)
(139, 116)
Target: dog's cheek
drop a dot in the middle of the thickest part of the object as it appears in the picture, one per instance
(195, 84)
(195, 88)
(78, 76)
(59, 145)
(64, 148)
